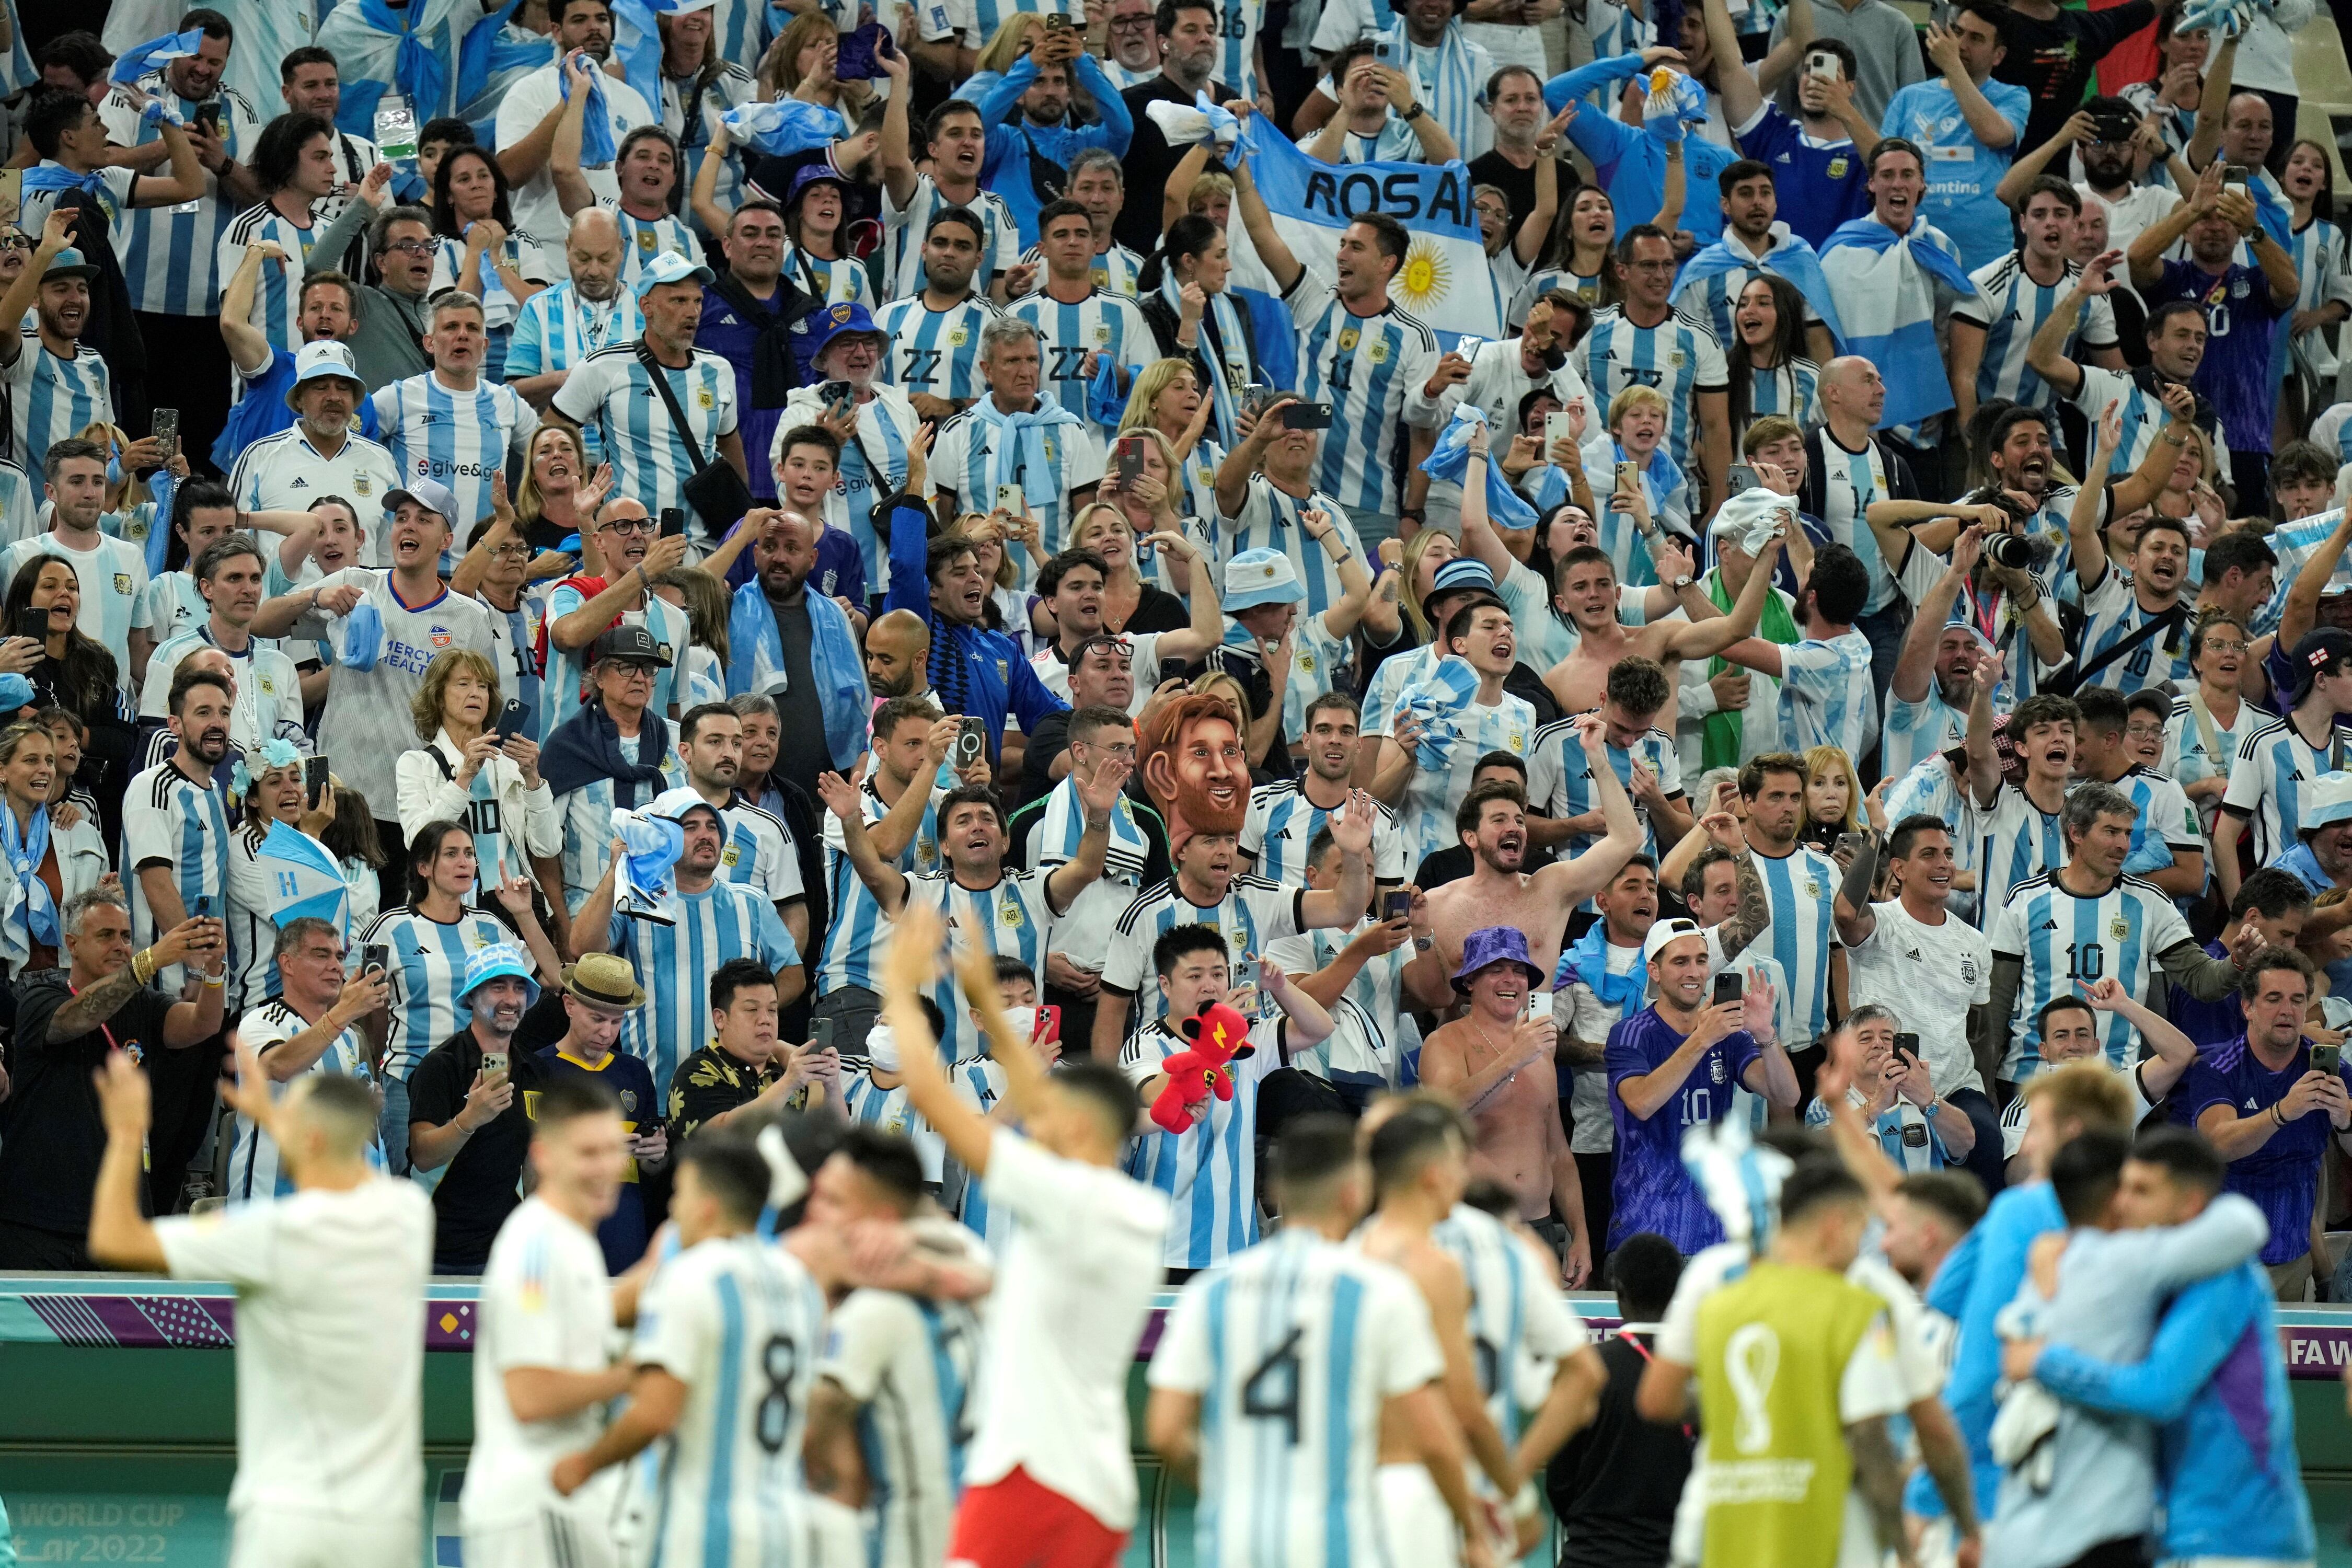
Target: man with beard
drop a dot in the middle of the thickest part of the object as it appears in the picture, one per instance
(1928, 700)
(1641, 754)
(1911, 954)
(933, 332)
(1601, 982)
(715, 919)
(1990, 331)
(1588, 592)
(1010, 913)
(956, 139)
(1192, 766)
(2110, 923)
(1101, 674)
(1755, 244)
(1496, 1062)
(1285, 816)
(295, 307)
(898, 655)
(2234, 371)
(2134, 619)
(58, 385)
(318, 452)
(269, 693)
(758, 849)
(1071, 584)
(558, 327)
(1046, 131)
(1492, 823)
(525, 133)
(973, 670)
(176, 819)
(470, 1109)
(798, 647)
(2167, 842)
(1191, 42)
(2176, 339)
(747, 313)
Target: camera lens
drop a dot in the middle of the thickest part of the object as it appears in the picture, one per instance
(2010, 551)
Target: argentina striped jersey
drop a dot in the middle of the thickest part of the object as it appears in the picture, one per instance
(1367, 368)
(2066, 941)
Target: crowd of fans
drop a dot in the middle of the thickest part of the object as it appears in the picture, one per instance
(542, 592)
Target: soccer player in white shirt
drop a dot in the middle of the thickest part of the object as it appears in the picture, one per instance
(331, 1315)
(451, 425)
(543, 1364)
(527, 116)
(1048, 1476)
(1359, 351)
(1302, 1342)
(1493, 721)
(728, 1335)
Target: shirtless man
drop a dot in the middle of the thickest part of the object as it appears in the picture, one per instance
(1492, 825)
(1588, 594)
(1496, 1064)
(1421, 1166)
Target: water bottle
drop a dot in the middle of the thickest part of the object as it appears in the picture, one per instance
(395, 130)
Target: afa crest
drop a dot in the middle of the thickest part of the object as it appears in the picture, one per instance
(122, 584)
(1008, 914)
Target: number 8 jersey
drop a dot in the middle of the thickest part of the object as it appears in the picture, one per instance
(741, 1324)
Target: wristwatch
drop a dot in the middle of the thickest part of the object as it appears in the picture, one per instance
(1679, 584)
(1415, 112)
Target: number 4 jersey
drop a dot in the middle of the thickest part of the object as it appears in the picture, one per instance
(2066, 941)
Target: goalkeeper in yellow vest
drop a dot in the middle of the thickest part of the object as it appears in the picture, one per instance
(1797, 1375)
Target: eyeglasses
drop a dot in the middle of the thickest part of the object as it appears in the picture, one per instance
(2215, 645)
(2144, 731)
(412, 246)
(1131, 24)
(16, 242)
(644, 672)
(511, 552)
(630, 525)
(1125, 749)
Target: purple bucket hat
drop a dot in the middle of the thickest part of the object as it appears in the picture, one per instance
(1491, 945)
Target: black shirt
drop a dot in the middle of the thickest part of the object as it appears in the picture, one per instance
(478, 1186)
(1615, 1484)
(1156, 610)
(711, 1083)
(1150, 161)
(2054, 60)
(1517, 184)
(51, 1136)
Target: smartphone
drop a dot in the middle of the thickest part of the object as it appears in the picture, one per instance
(1557, 427)
(208, 116)
(834, 392)
(821, 1034)
(494, 1062)
(1048, 1024)
(1130, 460)
(1728, 986)
(672, 522)
(1011, 498)
(2326, 1059)
(1743, 478)
(1466, 350)
(166, 427)
(31, 623)
(204, 910)
(1397, 904)
(1907, 1045)
(1384, 50)
(1057, 22)
(2233, 173)
(1170, 669)
(1823, 65)
(971, 740)
(315, 781)
(1307, 416)
(1629, 476)
(512, 717)
(375, 957)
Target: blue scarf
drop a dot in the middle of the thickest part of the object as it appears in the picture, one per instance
(636, 44)
(587, 747)
(1790, 257)
(1587, 962)
(26, 850)
(756, 663)
(1224, 351)
(49, 175)
(597, 148)
(1889, 311)
(785, 128)
(1449, 460)
(1021, 446)
(417, 68)
(155, 53)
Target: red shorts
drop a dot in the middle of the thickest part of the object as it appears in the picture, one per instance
(1016, 1523)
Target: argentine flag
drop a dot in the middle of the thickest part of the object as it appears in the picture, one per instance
(1446, 280)
(1886, 287)
(305, 882)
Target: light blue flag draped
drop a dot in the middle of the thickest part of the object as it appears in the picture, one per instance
(305, 880)
(648, 872)
(781, 129)
(756, 663)
(597, 148)
(1445, 279)
(489, 56)
(135, 63)
(1790, 257)
(162, 485)
(1449, 460)
(636, 44)
(1433, 700)
(1887, 285)
(420, 68)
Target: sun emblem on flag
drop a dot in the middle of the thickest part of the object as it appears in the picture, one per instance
(1426, 276)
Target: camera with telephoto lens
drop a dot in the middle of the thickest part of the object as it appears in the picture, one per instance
(2010, 549)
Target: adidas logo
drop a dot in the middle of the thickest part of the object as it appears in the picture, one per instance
(2049, 925)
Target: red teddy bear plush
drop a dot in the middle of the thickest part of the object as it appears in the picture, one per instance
(1219, 1036)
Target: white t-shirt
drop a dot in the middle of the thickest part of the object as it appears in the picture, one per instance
(1065, 1318)
(329, 1345)
(1928, 975)
(545, 1302)
(537, 213)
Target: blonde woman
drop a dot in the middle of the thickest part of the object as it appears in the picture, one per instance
(1833, 800)
(1156, 505)
(1131, 601)
(130, 505)
(1167, 402)
(559, 495)
(800, 63)
(464, 774)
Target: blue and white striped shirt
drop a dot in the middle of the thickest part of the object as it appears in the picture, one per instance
(613, 390)
(2271, 782)
(1012, 918)
(428, 965)
(172, 821)
(1560, 779)
(905, 227)
(52, 398)
(2015, 841)
(2066, 941)
(1268, 520)
(1282, 823)
(254, 1171)
(1680, 357)
(1372, 370)
(1826, 695)
(461, 438)
(1254, 912)
(277, 289)
(1209, 1172)
(643, 239)
(724, 920)
(842, 282)
(1801, 889)
(936, 353)
(858, 936)
(1103, 324)
(2009, 308)
(171, 255)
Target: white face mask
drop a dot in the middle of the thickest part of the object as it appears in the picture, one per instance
(1023, 1021)
(882, 1048)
